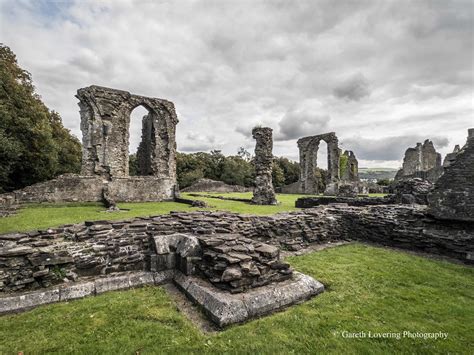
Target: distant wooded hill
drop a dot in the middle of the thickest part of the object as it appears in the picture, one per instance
(377, 173)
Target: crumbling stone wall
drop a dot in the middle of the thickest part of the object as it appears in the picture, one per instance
(349, 167)
(422, 161)
(308, 147)
(209, 185)
(263, 194)
(105, 122)
(453, 194)
(77, 188)
(41, 258)
(450, 157)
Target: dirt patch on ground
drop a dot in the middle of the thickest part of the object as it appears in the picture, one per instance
(190, 310)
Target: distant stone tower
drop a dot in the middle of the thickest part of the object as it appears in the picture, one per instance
(349, 167)
(264, 193)
(421, 161)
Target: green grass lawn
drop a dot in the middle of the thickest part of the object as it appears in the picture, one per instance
(41, 216)
(368, 289)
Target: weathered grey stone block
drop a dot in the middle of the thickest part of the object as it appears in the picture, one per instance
(74, 291)
(224, 308)
(112, 283)
(141, 278)
(28, 300)
(221, 309)
(163, 276)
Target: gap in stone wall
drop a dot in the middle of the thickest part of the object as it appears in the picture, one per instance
(135, 130)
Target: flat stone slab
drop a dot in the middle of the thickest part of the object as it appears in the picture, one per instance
(66, 292)
(224, 308)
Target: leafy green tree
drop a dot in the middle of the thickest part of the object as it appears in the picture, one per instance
(34, 145)
(291, 169)
(233, 170)
(278, 175)
(237, 171)
(383, 182)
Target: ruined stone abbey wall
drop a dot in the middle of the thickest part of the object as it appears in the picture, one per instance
(105, 122)
(453, 195)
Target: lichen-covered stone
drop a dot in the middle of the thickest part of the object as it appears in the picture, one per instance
(263, 193)
(453, 194)
(348, 167)
(105, 122)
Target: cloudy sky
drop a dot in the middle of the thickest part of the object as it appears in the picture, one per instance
(381, 74)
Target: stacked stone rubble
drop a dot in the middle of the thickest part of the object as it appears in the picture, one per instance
(235, 263)
(264, 193)
(411, 191)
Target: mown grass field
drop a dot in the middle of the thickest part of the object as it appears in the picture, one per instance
(368, 290)
(41, 216)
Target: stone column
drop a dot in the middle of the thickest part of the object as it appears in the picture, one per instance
(263, 193)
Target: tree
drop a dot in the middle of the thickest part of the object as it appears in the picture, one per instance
(34, 145)
(244, 154)
(278, 175)
(383, 182)
(237, 171)
(291, 169)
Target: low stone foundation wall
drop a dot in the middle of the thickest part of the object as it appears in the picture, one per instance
(310, 202)
(44, 258)
(78, 188)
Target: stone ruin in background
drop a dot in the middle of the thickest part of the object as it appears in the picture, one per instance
(453, 195)
(308, 147)
(422, 162)
(342, 176)
(263, 193)
(105, 122)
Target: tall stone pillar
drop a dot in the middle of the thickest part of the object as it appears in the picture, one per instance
(264, 193)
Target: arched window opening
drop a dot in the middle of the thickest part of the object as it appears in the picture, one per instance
(321, 167)
(140, 141)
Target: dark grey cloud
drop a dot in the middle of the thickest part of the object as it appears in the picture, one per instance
(353, 88)
(297, 124)
(389, 148)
